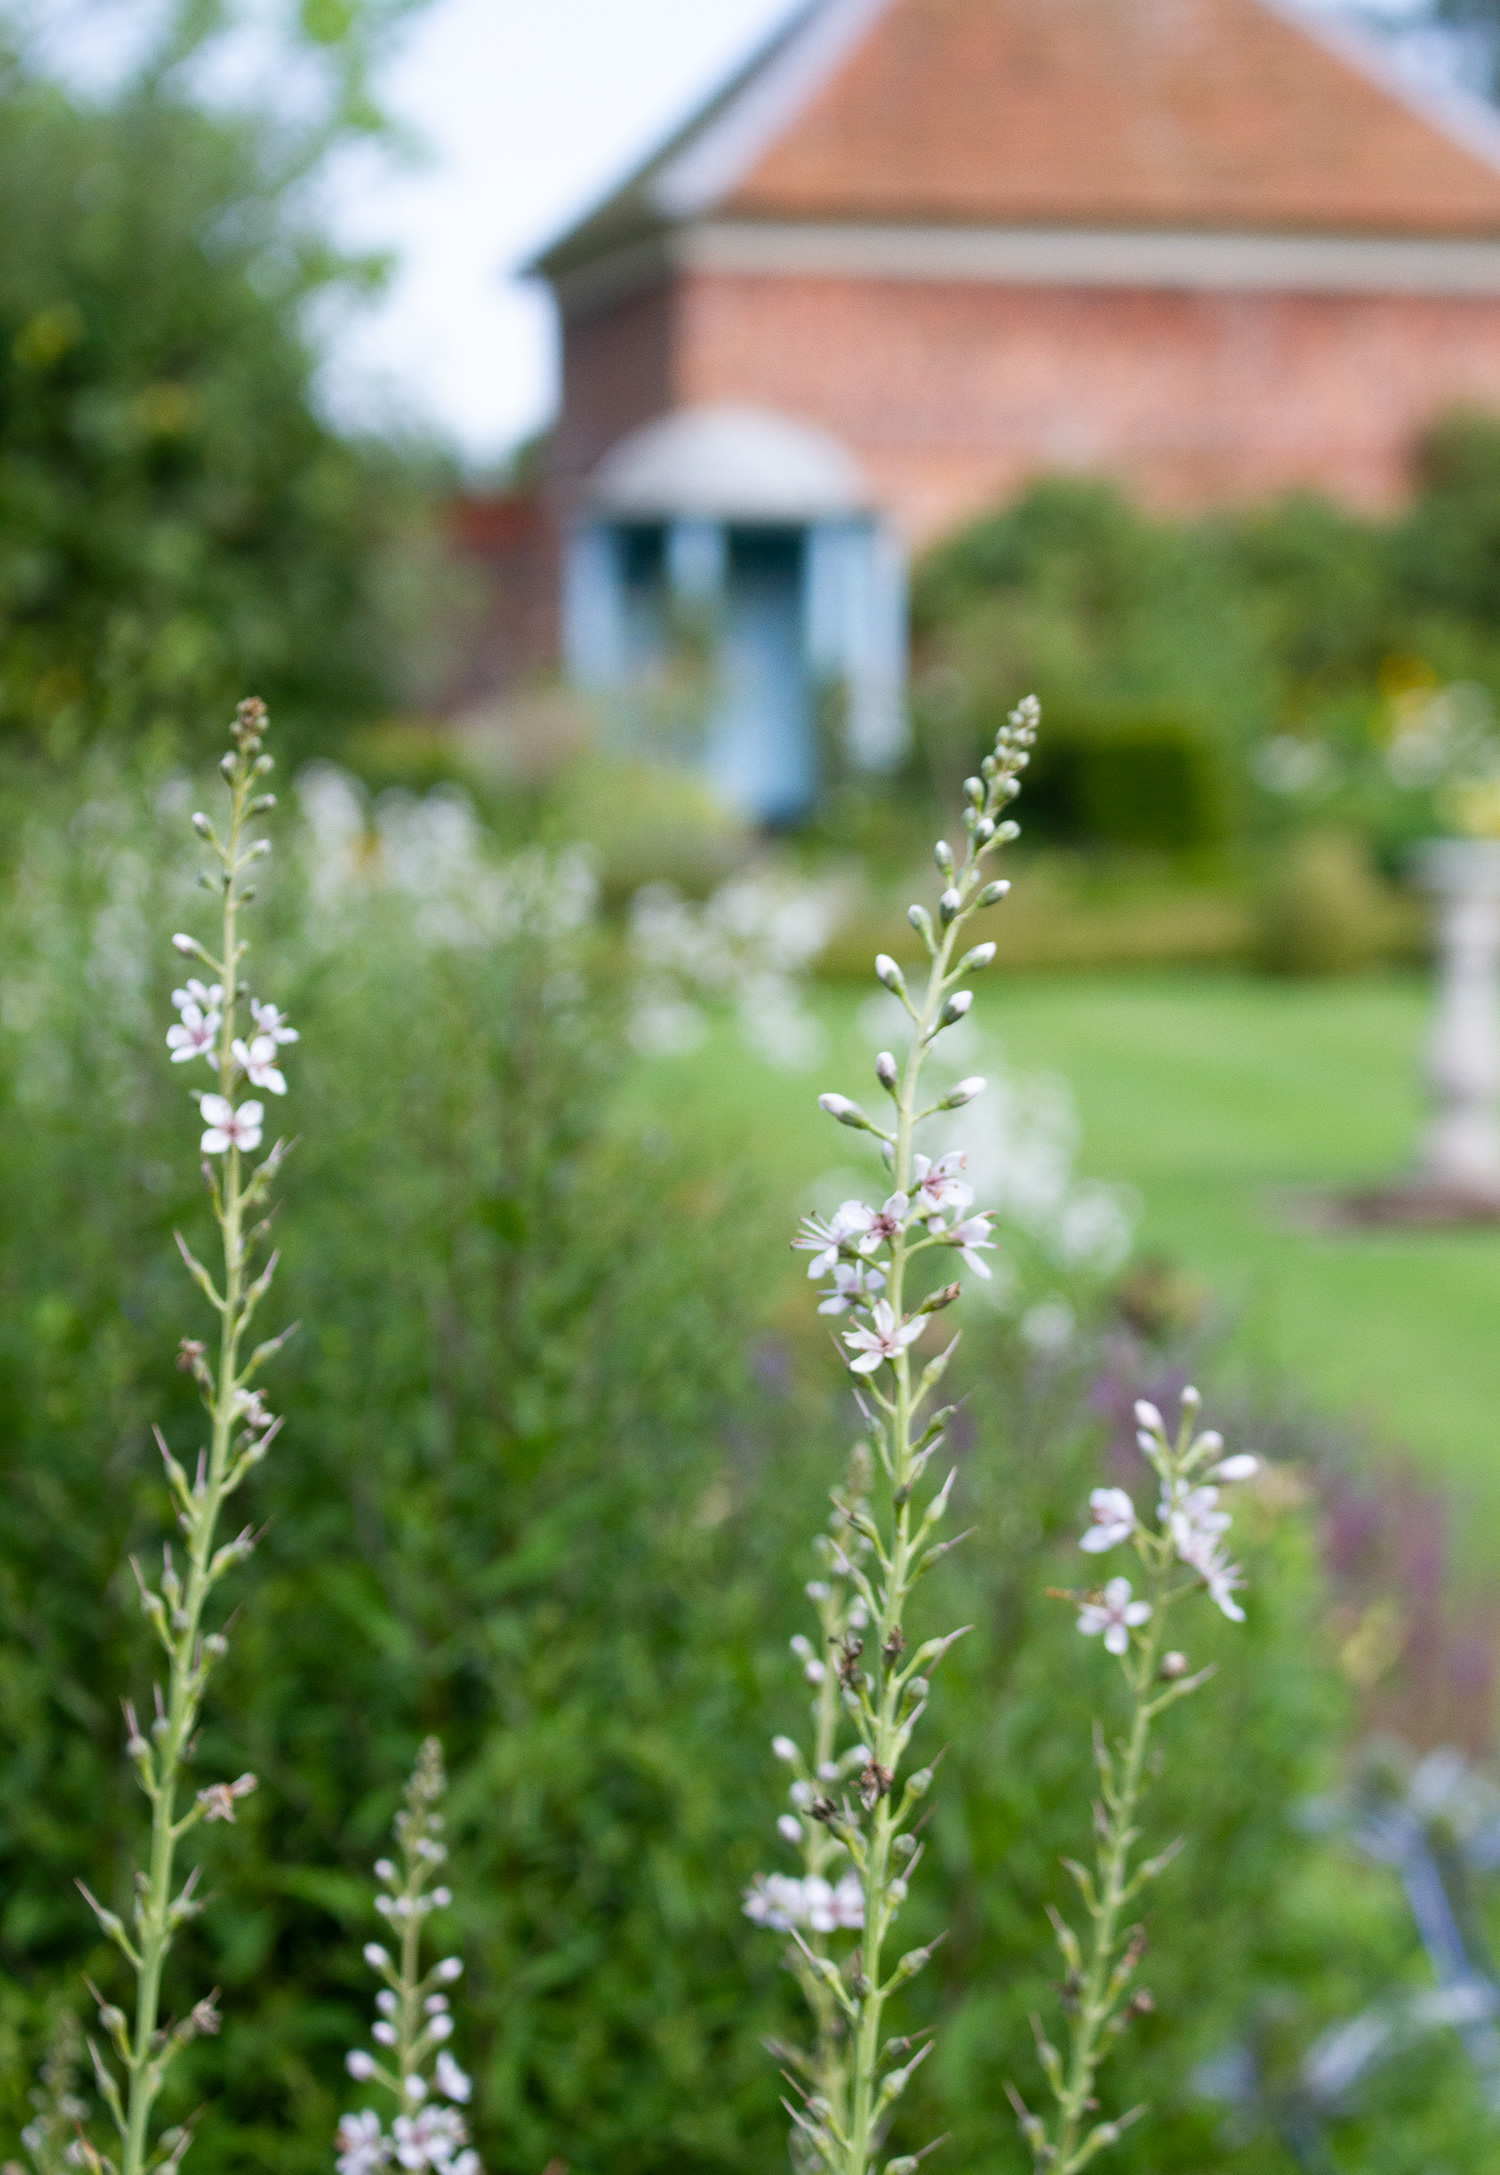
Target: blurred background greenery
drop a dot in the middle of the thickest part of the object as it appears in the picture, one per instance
(561, 1426)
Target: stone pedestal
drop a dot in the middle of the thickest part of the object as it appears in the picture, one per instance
(1459, 1154)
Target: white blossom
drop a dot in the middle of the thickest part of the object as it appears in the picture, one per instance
(1148, 1417)
(888, 1221)
(789, 1828)
(1222, 1578)
(194, 1035)
(258, 1057)
(1193, 1518)
(363, 2145)
(938, 1185)
(968, 1237)
(853, 1283)
(1115, 1614)
(827, 1237)
(268, 1021)
(783, 1748)
(885, 1339)
(780, 1901)
(429, 2138)
(1114, 1520)
(206, 996)
(228, 1127)
(360, 2065)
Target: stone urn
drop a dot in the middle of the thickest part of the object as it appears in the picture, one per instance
(1459, 1151)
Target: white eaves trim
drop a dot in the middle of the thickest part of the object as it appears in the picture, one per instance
(1094, 257)
(719, 155)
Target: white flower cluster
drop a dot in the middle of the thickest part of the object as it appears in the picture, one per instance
(432, 850)
(846, 1245)
(198, 1032)
(1189, 1518)
(745, 947)
(780, 1901)
(414, 2020)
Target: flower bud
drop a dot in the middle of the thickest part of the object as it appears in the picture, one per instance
(376, 1957)
(993, 893)
(847, 1113)
(789, 1828)
(360, 2065)
(965, 1092)
(921, 921)
(948, 906)
(888, 972)
(1191, 1399)
(885, 1071)
(1009, 831)
(1147, 1414)
(1239, 1467)
(383, 2034)
(187, 944)
(449, 1969)
(974, 791)
(202, 826)
(956, 1006)
(920, 1783)
(942, 853)
(980, 956)
(1174, 1665)
(783, 1748)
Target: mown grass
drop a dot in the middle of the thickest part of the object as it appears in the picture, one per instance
(1217, 1096)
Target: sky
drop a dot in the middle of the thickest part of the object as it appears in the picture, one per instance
(530, 110)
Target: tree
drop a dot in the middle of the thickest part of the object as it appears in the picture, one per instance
(178, 521)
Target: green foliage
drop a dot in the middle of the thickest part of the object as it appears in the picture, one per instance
(544, 1490)
(177, 519)
(1300, 622)
(1322, 910)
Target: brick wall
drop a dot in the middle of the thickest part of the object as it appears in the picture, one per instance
(953, 396)
(619, 369)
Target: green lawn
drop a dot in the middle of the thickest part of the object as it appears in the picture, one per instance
(1213, 1094)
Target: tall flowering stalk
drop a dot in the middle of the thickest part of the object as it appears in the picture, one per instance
(854, 1820)
(241, 1040)
(1181, 1553)
(413, 2065)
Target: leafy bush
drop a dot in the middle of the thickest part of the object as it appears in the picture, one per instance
(1277, 645)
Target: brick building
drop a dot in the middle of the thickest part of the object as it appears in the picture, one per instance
(920, 251)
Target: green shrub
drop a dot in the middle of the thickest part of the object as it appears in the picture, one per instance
(1129, 777)
(1322, 909)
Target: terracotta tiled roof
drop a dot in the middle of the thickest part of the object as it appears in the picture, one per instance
(1196, 113)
